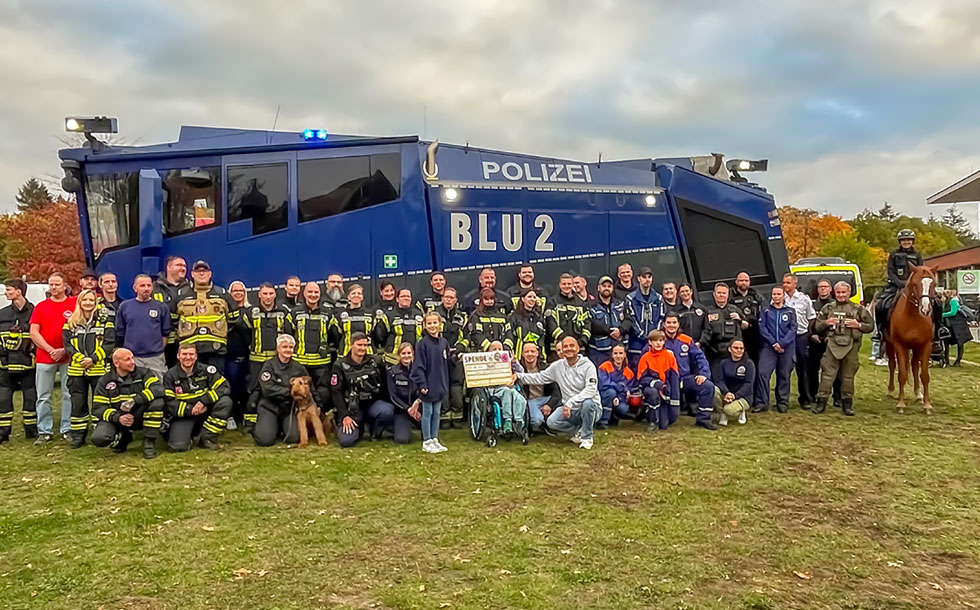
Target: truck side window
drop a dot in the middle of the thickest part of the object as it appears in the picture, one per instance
(259, 192)
(328, 187)
(191, 199)
(112, 201)
(720, 246)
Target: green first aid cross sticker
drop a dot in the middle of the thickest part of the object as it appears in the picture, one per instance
(391, 261)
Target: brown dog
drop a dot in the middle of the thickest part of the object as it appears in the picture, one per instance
(307, 413)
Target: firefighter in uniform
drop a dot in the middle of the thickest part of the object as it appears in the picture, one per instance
(265, 321)
(610, 322)
(845, 324)
(528, 324)
(276, 417)
(17, 361)
(128, 398)
(725, 324)
(205, 313)
(488, 324)
(692, 315)
(454, 330)
(310, 321)
(350, 319)
(568, 316)
(437, 282)
(749, 303)
(166, 286)
(355, 385)
(198, 401)
(400, 324)
(88, 340)
(109, 302)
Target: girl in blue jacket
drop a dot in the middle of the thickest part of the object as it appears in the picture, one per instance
(430, 372)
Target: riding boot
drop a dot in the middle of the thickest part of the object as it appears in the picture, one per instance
(149, 448)
(846, 405)
(821, 405)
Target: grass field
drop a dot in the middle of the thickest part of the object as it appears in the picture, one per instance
(788, 511)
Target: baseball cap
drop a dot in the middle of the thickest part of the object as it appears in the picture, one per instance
(89, 273)
(201, 265)
(604, 279)
(646, 271)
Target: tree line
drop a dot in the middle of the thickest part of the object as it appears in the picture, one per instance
(867, 238)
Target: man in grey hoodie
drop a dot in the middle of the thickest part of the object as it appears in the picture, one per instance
(577, 379)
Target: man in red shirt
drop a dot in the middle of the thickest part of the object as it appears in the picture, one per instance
(47, 322)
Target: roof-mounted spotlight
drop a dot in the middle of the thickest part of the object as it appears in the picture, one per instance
(745, 165)
(312, 135)
(650, 200)
(88, 125)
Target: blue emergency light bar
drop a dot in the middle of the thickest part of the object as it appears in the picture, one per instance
(314, 134)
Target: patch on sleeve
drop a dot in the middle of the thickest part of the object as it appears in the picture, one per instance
(211, 370)
(111, 385)
(265, 376)
(334, 379)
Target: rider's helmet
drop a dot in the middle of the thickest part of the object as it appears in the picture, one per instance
(906, 234)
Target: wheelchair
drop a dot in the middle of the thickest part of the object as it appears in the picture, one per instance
(486, 419)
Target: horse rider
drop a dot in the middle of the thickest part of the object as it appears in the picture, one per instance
(898, 274)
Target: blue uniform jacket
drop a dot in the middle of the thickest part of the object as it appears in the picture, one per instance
(621, 380)
(604, 318)
(647, 313)
(690, 359)
(778, 326)
(735, 377)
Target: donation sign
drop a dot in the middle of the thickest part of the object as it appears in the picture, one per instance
(487, 369)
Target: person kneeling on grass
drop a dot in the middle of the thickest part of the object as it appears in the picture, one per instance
(660, 382)
(198, 399)
(616, 381)
(542, 399)
(404, 396)
(577, 380)
(126, 399)
(735, 380)
(430, 372)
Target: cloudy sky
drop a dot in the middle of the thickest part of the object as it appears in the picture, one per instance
(853, 101)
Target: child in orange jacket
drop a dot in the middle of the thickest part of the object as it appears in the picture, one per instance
(660, 382)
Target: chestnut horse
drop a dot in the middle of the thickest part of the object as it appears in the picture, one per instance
(909, 336)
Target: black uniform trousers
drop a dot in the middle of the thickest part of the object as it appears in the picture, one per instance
(210, 423)
(274, 421)
(236, 372)
(10, 382)
(214, 359)
(320, 382)
(378, 415)
(803, 368)
(80, 390)
(147, 418)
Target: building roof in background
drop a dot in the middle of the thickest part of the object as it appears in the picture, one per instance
(960, 258)
(964, 191)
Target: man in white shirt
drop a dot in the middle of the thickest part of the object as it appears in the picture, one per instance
(578, 381)
(803, 306)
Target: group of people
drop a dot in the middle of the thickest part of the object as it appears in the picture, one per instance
(187, 359)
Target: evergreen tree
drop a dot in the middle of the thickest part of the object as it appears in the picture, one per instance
(955, 220)
(33, 196)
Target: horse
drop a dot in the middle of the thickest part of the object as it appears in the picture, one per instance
(909, 336)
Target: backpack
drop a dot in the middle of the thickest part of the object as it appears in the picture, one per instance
(968, 313)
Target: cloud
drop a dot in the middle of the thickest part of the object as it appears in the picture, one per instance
(839, 85)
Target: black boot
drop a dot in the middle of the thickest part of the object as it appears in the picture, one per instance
(847, 406)
(121, 441)
(4, 438)
(209, 441)
(149, 448)
(821, 405)
(77, 440)
(707, 424)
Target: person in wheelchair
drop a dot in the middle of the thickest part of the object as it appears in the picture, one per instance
(513, 404)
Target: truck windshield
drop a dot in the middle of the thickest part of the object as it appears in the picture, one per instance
(113, 209)
(808, 280)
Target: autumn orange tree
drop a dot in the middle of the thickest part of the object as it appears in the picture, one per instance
(804, 231)
(39, 241)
